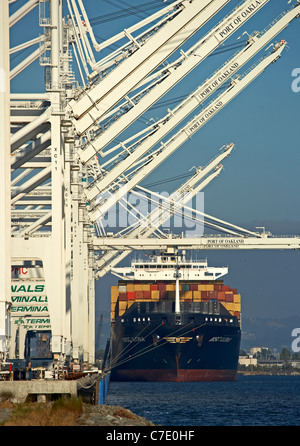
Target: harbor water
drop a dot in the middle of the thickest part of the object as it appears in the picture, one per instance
(250, 401)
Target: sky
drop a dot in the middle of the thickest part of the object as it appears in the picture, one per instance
(259, 184)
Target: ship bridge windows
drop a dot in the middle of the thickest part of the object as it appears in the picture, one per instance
(208, 274)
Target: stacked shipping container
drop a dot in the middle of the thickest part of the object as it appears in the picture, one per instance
(124, 295)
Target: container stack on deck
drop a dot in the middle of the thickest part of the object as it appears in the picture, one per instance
(126, 293)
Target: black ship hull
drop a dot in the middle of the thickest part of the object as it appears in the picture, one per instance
(150, 342)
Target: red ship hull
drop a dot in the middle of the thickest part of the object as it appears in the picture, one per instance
(170, 375)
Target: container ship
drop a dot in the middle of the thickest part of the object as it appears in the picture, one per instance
(173, 319)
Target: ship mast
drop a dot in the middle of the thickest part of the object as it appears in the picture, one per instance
(177, 294)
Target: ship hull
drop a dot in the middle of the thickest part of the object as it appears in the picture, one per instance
(150, 342)
(174, 375)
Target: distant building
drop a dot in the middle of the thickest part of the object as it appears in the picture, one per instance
(255, 350)
(295, 363)
(247, 360)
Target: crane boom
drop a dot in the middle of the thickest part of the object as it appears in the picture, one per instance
(184, 193)
(206, 89)
(204, 243)
(100, 99)
(176, 73)
(187, 131)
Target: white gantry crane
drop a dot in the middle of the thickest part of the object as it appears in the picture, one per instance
(68, 169)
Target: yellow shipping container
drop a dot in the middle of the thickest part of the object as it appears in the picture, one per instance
(138, 287)
(186, 295)
(209, 287)
(130, 287)
(236, 307)
(146, 287)
(114, 293)
(155, 295)
(237, 298)
(229, 306)
(197, 296)
(201, 287)
(170, 287)
(122, 307)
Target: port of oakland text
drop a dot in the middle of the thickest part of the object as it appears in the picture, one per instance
(240, 18)
(208, 89)
(206, 116)
(224, 243)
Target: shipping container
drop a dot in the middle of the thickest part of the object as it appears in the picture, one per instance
(171, 295)
(228, 297)
(114, 293)
(197, 296)
(131, 295)
(212, 294)
(237, 298)
(147, 295)
(130, 287)
(153, 286)
(123, 296)
(221, 296)
(163, 294)
(139, 295)
(204, 296)
(155, 295)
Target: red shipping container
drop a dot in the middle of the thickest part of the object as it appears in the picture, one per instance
(225, 288)
(131, 295)
(153, 286)
(122, 296)
(162, 286)
(221, 295)
(234, 290)
(138, 295)
(147, 294)
(204, 295)
(212, 294)
(237, 314)
(228, 297)
(193, 287)
(218, 287)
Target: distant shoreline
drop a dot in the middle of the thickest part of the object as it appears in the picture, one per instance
(245, 373)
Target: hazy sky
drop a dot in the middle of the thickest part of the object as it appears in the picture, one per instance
(259, 185)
